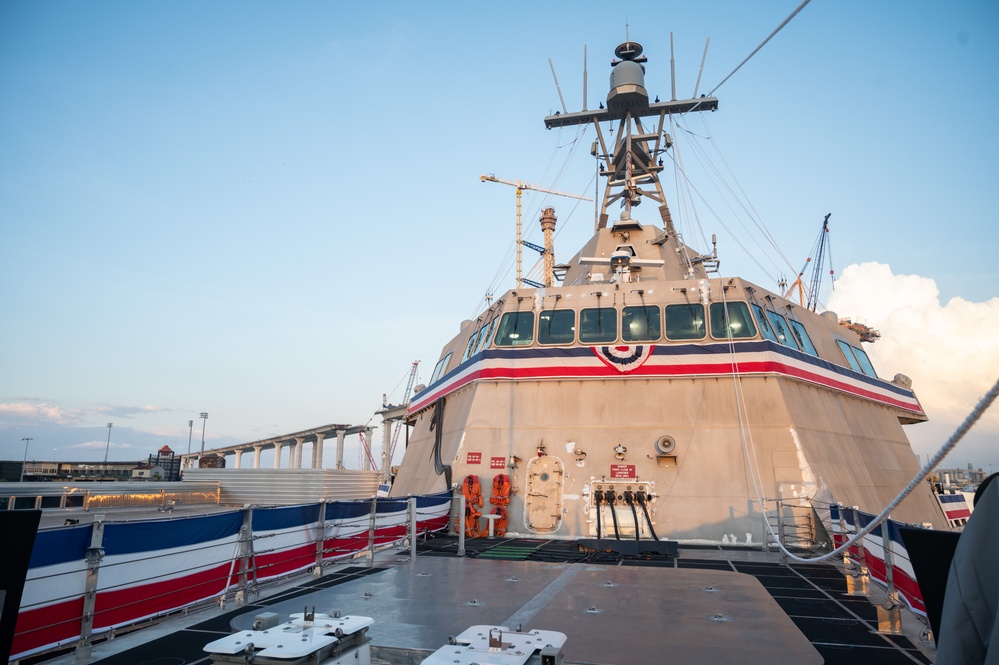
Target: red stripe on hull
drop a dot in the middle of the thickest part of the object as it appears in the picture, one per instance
(123, 605)
(282, 562)
(652, 370)
(44, 626)
(906, 586)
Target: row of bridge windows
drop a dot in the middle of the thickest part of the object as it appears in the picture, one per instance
(647, 323)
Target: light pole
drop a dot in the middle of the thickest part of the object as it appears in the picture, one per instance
(190, 433)
(25, 462)
(204, 421)
(107, 448)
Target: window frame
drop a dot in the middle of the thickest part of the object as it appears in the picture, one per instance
(653, 322)
(782, 338)
(763, 323)
(864, 360)
(726, 307)
(484, 335)
(441, 367)
(704, 320)
(851, 359)
(552, 313)
(517, 315)
(801, 337)
(473, 341)
(602, 312)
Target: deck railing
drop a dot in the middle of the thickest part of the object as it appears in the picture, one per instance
(88, 581)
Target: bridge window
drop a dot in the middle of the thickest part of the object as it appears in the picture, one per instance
(598, 325)
(640, 324)
(765, 329)
(857, 359)
(865, 362)
(684, 322)
(440, 368)
(515, 329)
(471, 345)
(781, 329)
(557, 326)
(484, 336)
(801, 336)
(731, 320)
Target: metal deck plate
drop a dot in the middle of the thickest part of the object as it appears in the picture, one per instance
(611, 614)
(290, 640)
(473, 646)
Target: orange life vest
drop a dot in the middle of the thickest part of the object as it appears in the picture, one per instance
(499, 529)
(501, 490)
(472, 491)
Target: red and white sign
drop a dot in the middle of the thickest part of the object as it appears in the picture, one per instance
(473, 458)
(622, 471)
(497, 462)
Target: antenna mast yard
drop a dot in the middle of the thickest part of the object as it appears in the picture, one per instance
(632, 163)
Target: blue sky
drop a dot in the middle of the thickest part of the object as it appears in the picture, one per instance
(267, 211)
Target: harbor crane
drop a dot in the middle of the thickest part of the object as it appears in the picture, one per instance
(521, 186)
(408, 397)
(820, 250)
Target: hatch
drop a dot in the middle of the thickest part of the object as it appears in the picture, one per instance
(543, 504)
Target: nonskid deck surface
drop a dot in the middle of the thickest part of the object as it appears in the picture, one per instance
(615, 609)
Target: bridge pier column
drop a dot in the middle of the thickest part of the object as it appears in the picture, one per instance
(366, 458)
(278, 445)
(386, 449)
(339, 447)
(239, 457)
(256, 456)
(317, 452)
(299, 444)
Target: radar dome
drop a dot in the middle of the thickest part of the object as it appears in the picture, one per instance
(627, 80)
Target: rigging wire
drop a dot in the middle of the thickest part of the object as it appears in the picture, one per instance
(958, 434)
(741, 200)
(744, 201)
(735, 238)
(533, 210)
(762, 44)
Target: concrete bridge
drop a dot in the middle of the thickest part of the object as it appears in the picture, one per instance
(317, 436)
(296, 441)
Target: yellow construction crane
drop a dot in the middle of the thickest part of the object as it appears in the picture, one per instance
(521, 186)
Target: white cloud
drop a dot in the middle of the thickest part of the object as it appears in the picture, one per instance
(26, 411)
(98, 445)
(951, 351)
(127, 411)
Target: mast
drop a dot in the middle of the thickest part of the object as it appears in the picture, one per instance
(632, 165)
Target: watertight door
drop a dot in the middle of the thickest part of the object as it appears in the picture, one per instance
(543, 504)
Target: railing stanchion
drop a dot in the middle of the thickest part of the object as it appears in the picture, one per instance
(412, 528)
(84, 648)
(461, 525)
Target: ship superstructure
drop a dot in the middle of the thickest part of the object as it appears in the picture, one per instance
(644, 396)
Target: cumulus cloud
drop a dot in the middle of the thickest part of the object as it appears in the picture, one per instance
(950, 350)
(29, 410)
